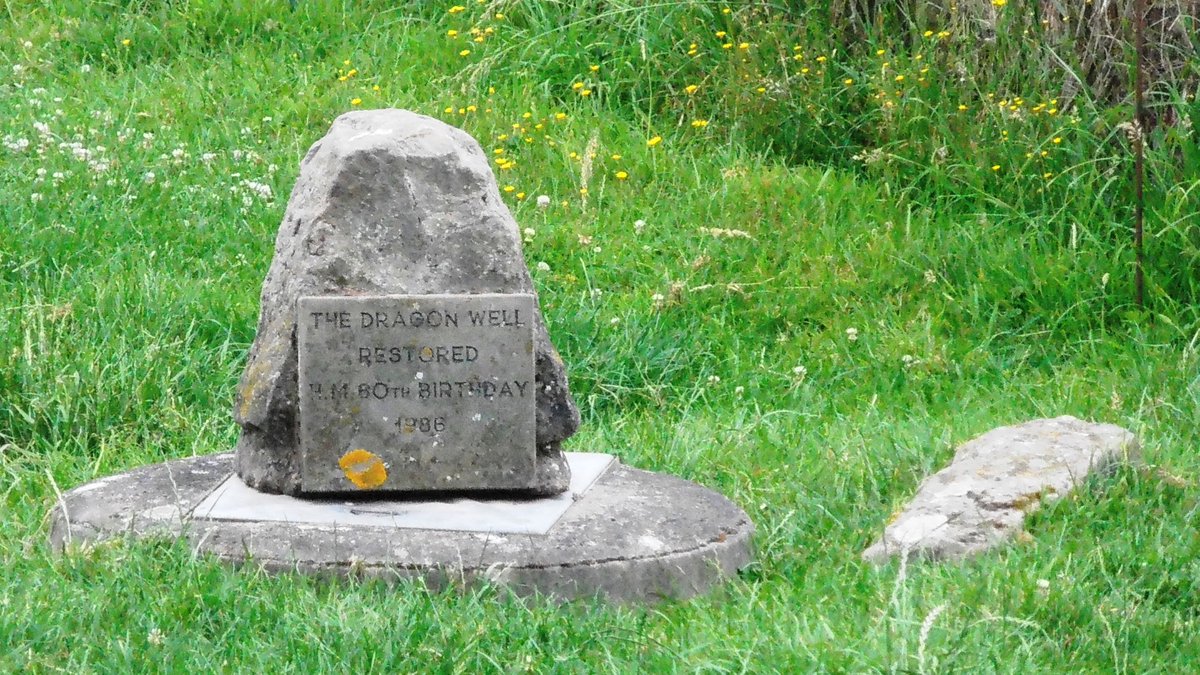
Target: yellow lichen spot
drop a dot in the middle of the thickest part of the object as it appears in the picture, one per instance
(365, 469)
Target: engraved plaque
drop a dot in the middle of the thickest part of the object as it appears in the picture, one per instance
(416, 392)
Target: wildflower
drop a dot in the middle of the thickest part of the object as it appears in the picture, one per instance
(155, 636)
(614, 321)
(543, 266)
(622, 175)
(727, 45)
(126, 42)
(560, 116)
(908, 360)
(85, 68)
(577, 86)
(585, 92)
(356, 101)
(880, 52)
(35, 197)
(852, 334)
(520, 196)
(691, 88)
(744, 46)
(899, 78)
(928, 33)
(509, 188)
(452, 33)
(529, 233)
(962, 107)
(455, 9)
(148, 178)
(699, 124)
(726, 10)
(930, 277)
(999, 3)
(721, 33)
(800, 372)
(594, 68)
(995, 167)
(543, 201)
(714, 379)
(848, 81)
(465, 52)
(653, 141)
(1057, 140)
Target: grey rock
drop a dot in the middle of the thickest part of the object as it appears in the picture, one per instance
(388, 202)
(981, 499)
(634, 536)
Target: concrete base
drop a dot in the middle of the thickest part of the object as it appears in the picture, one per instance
(631, 536)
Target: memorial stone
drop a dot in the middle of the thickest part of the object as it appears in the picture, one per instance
(391, 203)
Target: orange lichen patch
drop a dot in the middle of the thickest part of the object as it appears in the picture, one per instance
(365, 469)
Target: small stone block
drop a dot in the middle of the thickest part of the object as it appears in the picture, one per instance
(406, 393)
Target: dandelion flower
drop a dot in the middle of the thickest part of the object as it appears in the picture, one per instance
(451, 33)
(355, 101)
(1057, 140)
(995, 167)
(691, 88)
(744, 46)
(699, 124)
(653, 141)
(622, 175)
(594, 68)
(585, 92)
(848, 81)
(455, 9)
(509, 188)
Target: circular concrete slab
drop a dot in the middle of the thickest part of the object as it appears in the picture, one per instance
(633, 536)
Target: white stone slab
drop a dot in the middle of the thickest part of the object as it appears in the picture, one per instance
(233, 500)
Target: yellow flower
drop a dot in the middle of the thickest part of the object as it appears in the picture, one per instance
(520, 195)
(622, 175)
(455, 9)
(449, 109)
(899, 78)
(1057, 140)
(1047, 175)
(583, 191)
(928, 33)
(577, 85)
(465, 52)
(995, 167)
(822, 59)
(479, 39)
(721, 33)
(560, 116)
(499, 17)
(653, 141)
(526, 115)
(126, 42)
(962, 107)
(471, 108)
(594, 68)
(699, 124)
(880, 52)
(509, 188)
(355, 101)
(999, 3)
(691, 88)
(726, 10)
(498, 151)
(744, 45)
(761, 90)
(451, 33)
(727, 45)
(585, 92)
(616, 158)
(848, 81)
(352, 73)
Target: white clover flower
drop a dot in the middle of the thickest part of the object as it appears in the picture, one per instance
(18, 69)
(930, 277)
(85, 68)
(35, 197)
(638, 226)
(714, 379)
(543, 201)
(800, 371)
(148, 178)
(543, 266)
(852, 334)
(614, 321)
(208, 157)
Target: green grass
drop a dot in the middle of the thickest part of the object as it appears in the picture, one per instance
(979, 297)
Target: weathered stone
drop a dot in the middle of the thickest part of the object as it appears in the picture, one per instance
(980, 500)
(388, 202)
(633, 536)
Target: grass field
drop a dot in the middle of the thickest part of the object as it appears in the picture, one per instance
(797, 275)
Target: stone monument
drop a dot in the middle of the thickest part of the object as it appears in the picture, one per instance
(402, 408)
